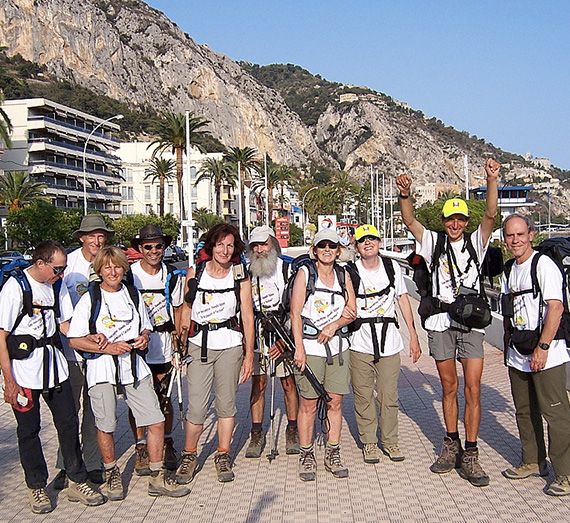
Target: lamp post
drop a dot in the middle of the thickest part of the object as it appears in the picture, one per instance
(303, 206)
(116, 117)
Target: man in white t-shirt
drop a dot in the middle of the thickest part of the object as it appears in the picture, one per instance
(157, 283)
(34, 366)
(455, 272)
(536, 360)
(269, 274)
(92, 234)
(376, 344)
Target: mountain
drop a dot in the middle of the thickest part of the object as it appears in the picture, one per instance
(130, 52)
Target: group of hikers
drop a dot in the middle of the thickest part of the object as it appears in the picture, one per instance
(81, 329)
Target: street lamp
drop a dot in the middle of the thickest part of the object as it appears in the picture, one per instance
(303, 206)
(116, 117)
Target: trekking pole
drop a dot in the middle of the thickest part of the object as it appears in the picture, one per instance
(273, 453)
(182, 342)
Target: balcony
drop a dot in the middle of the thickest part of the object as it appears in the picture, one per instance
(49, 144)
(39, 167)
(46, 122)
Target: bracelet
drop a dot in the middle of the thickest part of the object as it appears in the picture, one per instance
(402, 197)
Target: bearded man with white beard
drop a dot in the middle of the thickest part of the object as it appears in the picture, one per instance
(269, 275)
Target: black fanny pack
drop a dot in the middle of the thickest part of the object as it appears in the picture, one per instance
(471, 310)
(525, 341)
(21, 346)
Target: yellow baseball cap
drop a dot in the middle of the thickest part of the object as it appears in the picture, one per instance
(455, 206)
(366, 230)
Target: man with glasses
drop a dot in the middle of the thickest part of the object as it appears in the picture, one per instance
(34, 367)
(453, 273)
(151, 277)
(376, 344)
(92, 234)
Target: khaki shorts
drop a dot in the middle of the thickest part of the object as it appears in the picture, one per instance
(335, 377)
(221, 372)
(452, 344)
(261, 366)
(140, 398)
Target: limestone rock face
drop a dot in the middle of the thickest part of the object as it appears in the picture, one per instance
(132, 52)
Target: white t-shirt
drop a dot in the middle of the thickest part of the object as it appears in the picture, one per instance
(118, 321)
(468, 277)
(160, 343)
(385, 305)
(526, 308)
(216, 307)
(323, 308)
(29, 372)
(76, 279)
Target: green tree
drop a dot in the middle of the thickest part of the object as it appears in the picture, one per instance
(278, 177)
(204, 220)
(219, 173)
(429, 215)
(18, 189)
(40, 220)
(162, 170)
(126, 227)
(295, 235)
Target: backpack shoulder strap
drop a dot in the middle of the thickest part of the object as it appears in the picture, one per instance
(536, 290)
(134, 295)
(129, 277)
(56, 304)
(285, 269)
(508, 267)
(390, 271)
(94, 291)
(352, 270)
(438, 250)
(27, 298)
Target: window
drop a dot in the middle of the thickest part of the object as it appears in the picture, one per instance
(171, 208)
(158, 192)
(147, 192)
(130, 194)
(170, 190)
(148, 208)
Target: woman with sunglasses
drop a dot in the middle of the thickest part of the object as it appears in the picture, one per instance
(317, 320)
(119, 317)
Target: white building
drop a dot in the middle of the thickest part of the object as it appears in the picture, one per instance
(48, 140)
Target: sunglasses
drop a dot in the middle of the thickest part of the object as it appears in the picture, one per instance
(57, 270)
(368, 237)
(324, 244)
(157, 246)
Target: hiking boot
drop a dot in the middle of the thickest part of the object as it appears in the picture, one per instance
(60, 482)
(292, 441)
(393, 452)
(307, 466)
(141, 460)
(256, 444)
(223, 464)
(114, 484)
(526, 470)
(84, 493)
(170, 460)
(471, 469)
(559, 487)
(96, 476)
(449, 458)
(333, 463)
(371, 453)
(162, 484)
(39, 501)
(187, 468)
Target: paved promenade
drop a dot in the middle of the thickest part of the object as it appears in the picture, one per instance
(265, 491)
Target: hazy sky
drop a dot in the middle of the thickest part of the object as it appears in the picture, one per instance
(498, 69)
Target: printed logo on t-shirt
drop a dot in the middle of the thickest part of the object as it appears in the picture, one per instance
(321, 306)
(81, 288)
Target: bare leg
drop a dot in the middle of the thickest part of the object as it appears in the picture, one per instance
(225, 432)
(335, 417)
(257, 399)
(448, 377)
(106, 443)
(306, 420)
(472, 372)
(291, 397)
(155, 443)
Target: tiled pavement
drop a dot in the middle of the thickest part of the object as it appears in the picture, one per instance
(265, 491)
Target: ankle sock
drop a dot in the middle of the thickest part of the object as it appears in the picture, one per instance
(470, 444)
(453, 436)
(110, 466)
(308, 448)
(256, 427)
(155, 467)
(141, 441)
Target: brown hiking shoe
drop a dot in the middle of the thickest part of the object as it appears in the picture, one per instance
(292, 441)
(333, 462)
(39, 501)
(187, 468)
(471, 470)
(526, 470)
(559, 487)
(393, 452)
(84, 493)
(141, 460)
(113, 485)
(256, 444)
(161, 483)
(307, 466)
(450, 457)
(223, 464)
(169, 459)
(371, 453)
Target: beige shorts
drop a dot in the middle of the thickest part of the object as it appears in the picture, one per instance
(221, 372)
(261, 366)
(451, 344)
(141, 399)
(335, 377)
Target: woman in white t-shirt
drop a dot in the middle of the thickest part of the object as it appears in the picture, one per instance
(317, 323)
(123, 327)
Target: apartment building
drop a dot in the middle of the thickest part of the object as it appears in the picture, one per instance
(71, 152)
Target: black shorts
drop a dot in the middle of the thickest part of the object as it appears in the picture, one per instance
(159, 368)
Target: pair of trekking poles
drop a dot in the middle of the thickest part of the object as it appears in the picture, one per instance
(179, 348)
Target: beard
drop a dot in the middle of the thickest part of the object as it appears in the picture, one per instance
(263, 265)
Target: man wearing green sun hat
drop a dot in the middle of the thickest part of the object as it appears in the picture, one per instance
(455, 262)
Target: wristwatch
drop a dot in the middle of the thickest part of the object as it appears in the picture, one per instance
(544, 346)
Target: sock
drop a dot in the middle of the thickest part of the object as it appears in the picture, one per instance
(453, 436)
(110, 466)
(168, 435)
(292, 424)
(308, 448)
(190, 451)
(141, 441)
(332, 444)
(222, 451)
(155, 466)
(256, 427)
(470, 444)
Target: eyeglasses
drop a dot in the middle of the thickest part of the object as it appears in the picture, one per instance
(157, 246)
(112, 317)
(368, 237)
(325, 243)
(57, 270)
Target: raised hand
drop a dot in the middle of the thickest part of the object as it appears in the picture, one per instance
(492, 168)
(404, 184)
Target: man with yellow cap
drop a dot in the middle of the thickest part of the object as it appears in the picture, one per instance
(454, 273)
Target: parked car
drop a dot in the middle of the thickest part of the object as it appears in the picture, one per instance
(132, 254)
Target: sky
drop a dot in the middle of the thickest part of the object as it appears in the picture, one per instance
(497, 69)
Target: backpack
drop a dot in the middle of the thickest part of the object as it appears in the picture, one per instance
(305, 261)
(172, 277)
(355, 278)
(558, 250)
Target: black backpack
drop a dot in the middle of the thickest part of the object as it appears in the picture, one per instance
(355, 278)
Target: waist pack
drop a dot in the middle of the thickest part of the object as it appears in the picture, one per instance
(471, 310)
(525, 341)
(22, 345)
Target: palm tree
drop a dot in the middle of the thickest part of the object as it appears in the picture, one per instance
(160, 169)
(220, 173)
(278, 177)
(205, 220)
(171, 131)
(5, 125)
(345, 189)
(18, 189)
